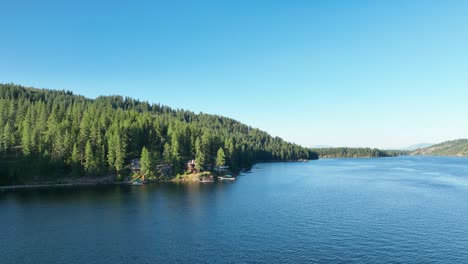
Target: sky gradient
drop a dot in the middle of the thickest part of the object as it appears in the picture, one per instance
(382, 74)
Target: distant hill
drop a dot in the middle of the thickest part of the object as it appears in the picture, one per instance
(418, 146)
(457, 147)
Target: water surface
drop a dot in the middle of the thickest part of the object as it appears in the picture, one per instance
(398, 210)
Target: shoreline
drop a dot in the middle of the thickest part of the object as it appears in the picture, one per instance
(52, 185)
(90, 184)
(108, 181)
(189, 179)
(174, 180)
(100, 182)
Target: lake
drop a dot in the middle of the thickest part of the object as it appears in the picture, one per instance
(398, 210)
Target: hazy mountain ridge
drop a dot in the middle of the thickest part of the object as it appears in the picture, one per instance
(457, 147)
(418, 146)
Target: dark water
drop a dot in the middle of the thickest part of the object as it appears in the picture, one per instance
(391, 210)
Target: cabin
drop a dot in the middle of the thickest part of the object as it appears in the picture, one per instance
(192, 166)
(165, 170)
(221, 168)
(135, 165)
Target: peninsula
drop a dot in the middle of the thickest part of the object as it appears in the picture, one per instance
(50, 136)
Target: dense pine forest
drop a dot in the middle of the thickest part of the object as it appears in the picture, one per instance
(357, 153)
(47, 135)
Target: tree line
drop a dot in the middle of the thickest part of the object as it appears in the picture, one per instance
(50, 134)
(345, 152)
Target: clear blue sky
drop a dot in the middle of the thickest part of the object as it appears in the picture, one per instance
(342, 73)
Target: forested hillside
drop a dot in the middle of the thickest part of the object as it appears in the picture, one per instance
(457, 147)
(356, 153)
(48, 134)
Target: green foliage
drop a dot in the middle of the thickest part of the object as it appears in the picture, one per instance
(145, 162)
(167, 153)
(75, 157)
(26, 137)
(46, 134)
(90, 164)
(200, 156)
(8, 139)
(117, 148)
(220, 157)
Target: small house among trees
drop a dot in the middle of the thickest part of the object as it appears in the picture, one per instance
(221, 168)
(192, 166)
(135, 166)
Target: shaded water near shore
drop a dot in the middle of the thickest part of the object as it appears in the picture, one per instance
(404, 210)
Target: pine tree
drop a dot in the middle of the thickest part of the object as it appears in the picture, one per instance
(145, 162)
(75, 160)
(90, 160)
(167, 153)
(177, 150)
(120, 151)
(8, 137)
(111, 149)
(220, 158)
(200, 156)
(233, 160)
(207, 146)
(26, 138)
(75, 157)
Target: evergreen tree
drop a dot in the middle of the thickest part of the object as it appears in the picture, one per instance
(167, 153)
(220, 158)
(26, 138)
(207, 146)
(8, 137)
(111, 150)
(116, 151)
(145, 162)
(75, 160)
(200, 158)
(75, 157)
(120, 150)
(177, 151)
(90, 159)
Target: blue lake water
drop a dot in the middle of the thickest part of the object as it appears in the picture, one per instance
(388, 210)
